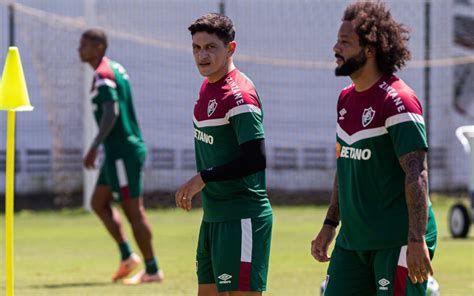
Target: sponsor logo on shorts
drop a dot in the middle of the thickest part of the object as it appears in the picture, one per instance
(383, 283)
(224, 278)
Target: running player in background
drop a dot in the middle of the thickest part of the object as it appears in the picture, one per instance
(380, 194)
(121, 175)
(234, 240)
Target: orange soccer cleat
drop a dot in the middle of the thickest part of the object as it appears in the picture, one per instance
(126, 267)
(143, 277)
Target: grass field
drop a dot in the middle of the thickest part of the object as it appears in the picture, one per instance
(69, 253)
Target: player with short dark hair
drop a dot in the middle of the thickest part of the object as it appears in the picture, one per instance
(234, 240)
(121, 174)
(380, 193)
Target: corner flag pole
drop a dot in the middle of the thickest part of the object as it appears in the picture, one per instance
(9, 186)
(13, 97)
(90, 129)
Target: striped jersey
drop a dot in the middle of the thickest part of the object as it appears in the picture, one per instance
(111, 84)
(227, 114)
(374, 128)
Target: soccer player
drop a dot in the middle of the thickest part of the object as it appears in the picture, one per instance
(234, 239)
(121, 173)
(380, 194)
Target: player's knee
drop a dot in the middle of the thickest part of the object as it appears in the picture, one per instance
(209, 290)
(97, 207)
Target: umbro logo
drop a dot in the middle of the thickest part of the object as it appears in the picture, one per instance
(342, 112)
(383, 284)
(224, 278)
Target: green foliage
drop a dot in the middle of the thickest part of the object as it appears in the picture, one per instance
(70, 253)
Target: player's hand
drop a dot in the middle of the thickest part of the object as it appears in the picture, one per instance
(185, 193)
(89, 159)
(418, 262)
(320, 245)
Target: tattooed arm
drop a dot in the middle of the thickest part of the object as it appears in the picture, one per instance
(414, 164)
(416, 190)
(320, 244)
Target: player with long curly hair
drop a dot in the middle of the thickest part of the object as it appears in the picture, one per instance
(380, 193)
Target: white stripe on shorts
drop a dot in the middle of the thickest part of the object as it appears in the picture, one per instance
(402, 259)
(121, 173)
(246, 250)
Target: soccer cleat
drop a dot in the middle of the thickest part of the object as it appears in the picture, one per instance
(143, 277)
(126, 267)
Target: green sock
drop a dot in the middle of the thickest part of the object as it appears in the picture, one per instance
(151, 266)
(125, 250)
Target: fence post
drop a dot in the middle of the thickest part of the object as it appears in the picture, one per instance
(90, 176)
(427, 82)
(222, 7)
(11, 24)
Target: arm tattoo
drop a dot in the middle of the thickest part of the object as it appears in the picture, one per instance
(333, 211)
(416, 190)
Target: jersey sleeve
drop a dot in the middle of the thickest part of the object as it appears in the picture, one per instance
(247, 119)
(405, 123)
(106, 88)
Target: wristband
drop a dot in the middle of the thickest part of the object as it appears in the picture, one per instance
(330, 222)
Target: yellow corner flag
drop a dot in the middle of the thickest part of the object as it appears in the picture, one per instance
(13, 91)
(13, 97)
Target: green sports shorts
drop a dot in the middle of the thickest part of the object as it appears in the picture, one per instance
(124, 176)
(377, 272)
(234, 254)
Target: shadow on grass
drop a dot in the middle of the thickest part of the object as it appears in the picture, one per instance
(71, 285)
(452, 239)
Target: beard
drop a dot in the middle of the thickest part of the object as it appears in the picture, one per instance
(352, 64)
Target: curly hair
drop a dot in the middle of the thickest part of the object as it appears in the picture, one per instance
(375, 27)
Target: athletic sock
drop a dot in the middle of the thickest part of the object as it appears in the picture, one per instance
(151, 266)
(125, 250)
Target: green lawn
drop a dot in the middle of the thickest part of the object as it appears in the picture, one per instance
(69, 253)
